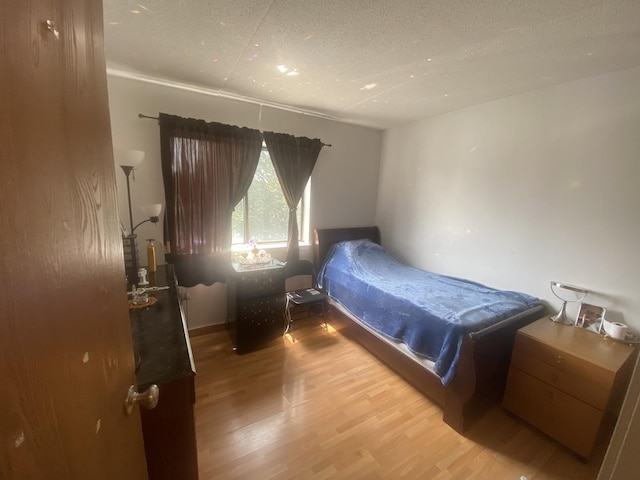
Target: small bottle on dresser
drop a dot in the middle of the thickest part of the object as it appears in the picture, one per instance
(151, 255)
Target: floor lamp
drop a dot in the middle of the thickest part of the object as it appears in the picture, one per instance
(129, 160)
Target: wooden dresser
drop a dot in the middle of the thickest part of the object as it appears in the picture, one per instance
(163, 356)
(567, 382)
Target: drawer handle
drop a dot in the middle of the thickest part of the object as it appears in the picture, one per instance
(559, 359)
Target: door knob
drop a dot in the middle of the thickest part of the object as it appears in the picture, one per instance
(148, 399)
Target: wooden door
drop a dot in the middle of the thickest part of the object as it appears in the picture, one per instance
(66, 358)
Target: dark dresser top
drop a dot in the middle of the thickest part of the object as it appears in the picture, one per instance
(160, 339)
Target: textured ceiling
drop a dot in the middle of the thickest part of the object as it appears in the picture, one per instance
(377, 62)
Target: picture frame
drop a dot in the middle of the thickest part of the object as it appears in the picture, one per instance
(590, 317)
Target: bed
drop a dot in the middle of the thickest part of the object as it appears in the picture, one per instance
(460, 359)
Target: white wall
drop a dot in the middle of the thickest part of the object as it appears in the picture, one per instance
(515, 193)
(343, 185)
(621, 460)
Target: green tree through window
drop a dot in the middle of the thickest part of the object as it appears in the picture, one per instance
(263, 214)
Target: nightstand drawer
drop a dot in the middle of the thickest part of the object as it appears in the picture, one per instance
(580, 368)
(561, 416)
(572, 385)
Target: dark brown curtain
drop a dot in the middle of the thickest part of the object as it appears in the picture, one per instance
(293, 159)
(207, 169)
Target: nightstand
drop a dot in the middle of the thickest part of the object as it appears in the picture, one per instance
(568, 382)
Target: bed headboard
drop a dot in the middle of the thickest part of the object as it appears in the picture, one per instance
(324, 238)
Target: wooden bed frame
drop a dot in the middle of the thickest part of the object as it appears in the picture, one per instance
(484, 359)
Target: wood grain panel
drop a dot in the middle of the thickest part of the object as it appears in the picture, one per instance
(566, 362)
(575, 386)
(580, 348)
(66, 358)
(175, 457)
(570, 421)
(567, 382)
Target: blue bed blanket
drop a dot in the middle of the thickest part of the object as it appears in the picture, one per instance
(428, 312)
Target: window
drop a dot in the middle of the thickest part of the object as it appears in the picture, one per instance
(263, 214)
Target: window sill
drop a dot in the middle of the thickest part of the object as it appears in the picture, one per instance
(239, 247)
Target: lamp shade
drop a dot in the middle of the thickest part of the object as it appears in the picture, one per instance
(129, 158)
(152, 210)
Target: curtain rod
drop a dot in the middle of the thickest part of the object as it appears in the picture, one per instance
(140, 115)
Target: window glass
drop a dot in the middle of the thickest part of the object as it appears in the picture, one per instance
(263, 214)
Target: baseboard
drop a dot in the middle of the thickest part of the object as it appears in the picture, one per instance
(196, 332)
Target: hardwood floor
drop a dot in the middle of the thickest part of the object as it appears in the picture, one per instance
(323, 407)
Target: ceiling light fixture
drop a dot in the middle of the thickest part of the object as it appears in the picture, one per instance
(369, 86)
(288, 71)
